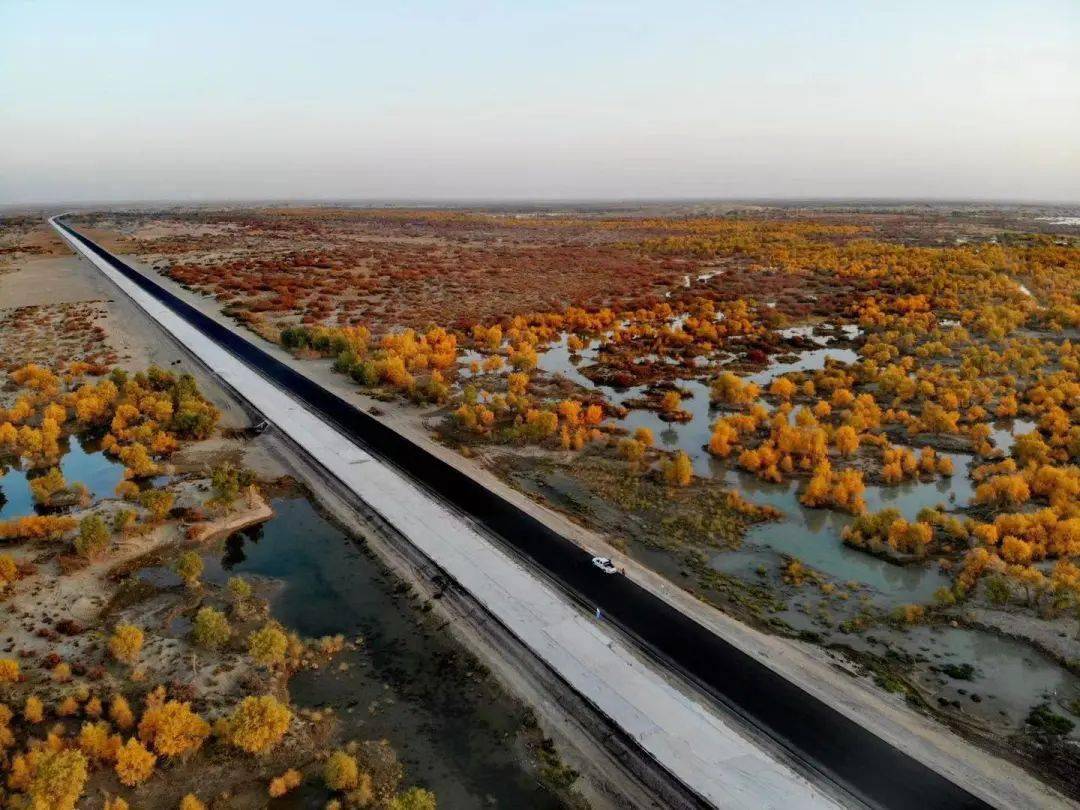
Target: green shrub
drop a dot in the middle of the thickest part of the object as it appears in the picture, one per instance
(1044, 721)
(268, 645)
(122, 518)
(93, 537)
(211, 629)
(190, 568)
(295, 337)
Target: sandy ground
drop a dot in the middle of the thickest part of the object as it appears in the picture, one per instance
(70, 616)
(45, 597)
(26, 238)
(48, 281)
(820, 673)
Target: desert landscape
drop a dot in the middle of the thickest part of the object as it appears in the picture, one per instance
(851, 426)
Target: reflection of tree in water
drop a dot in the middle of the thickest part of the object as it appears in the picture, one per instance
(890, 494)
(89, 442)
(820, 520)
(39, 508)
(234, 546)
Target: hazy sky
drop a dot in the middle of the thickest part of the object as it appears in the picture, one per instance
(217, 99)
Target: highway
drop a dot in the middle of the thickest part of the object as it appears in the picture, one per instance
(826, 742)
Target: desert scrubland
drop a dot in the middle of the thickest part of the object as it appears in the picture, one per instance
(853, 426)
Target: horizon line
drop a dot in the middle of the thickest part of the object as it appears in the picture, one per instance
(470, 201)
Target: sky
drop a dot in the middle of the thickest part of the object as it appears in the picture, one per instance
(210, 100)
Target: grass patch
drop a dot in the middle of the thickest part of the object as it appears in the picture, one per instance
(1044, 721)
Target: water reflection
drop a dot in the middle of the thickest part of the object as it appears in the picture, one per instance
(453, 730)
(1011, 678)
(811, 534)
(81, 461)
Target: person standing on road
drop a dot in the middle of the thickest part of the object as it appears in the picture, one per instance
(599, 616)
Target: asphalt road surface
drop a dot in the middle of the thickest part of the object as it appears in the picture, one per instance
(811, 731)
